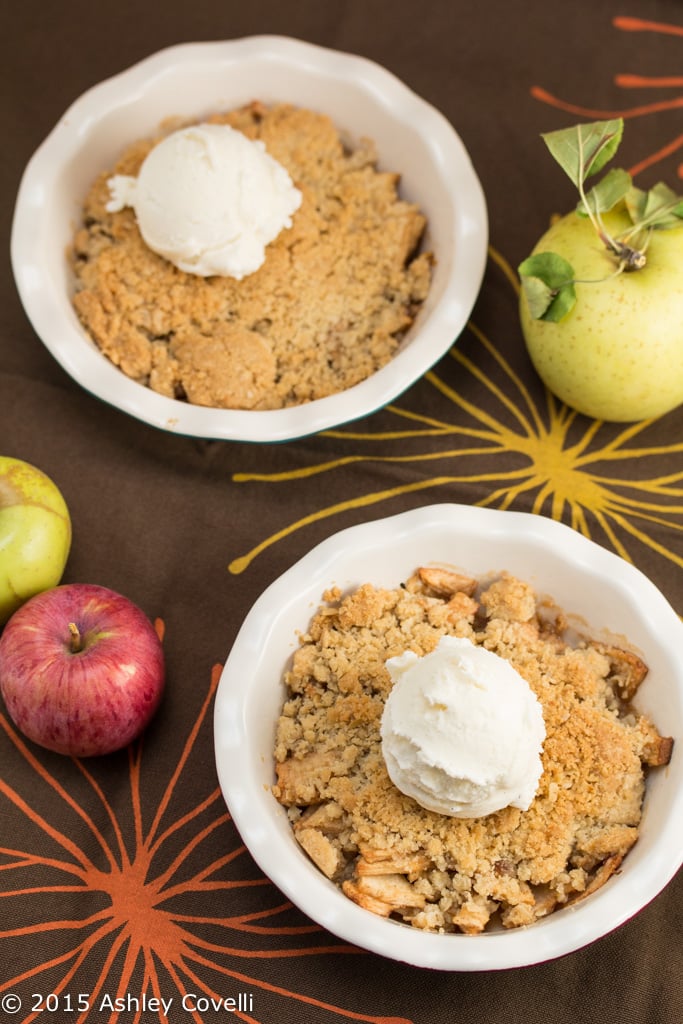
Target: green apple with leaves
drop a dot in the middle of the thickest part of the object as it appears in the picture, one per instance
(35, 534)
(601, 303)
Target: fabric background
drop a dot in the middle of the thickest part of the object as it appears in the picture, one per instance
(193, 531)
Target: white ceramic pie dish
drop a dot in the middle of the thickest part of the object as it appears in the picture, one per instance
(602, 589)
(194, 80)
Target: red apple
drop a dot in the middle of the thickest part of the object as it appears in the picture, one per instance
(81, 669)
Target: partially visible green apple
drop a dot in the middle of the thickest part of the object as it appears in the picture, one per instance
(618, 354)
(601, 306)
(35, 534)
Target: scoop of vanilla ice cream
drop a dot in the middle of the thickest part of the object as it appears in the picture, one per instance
(209, 199)
(462, 731)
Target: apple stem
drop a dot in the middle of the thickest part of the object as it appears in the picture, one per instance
(76, 639)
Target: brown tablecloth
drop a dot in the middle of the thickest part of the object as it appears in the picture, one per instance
(86, 848)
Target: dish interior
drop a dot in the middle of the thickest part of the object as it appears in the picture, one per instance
(182, 91)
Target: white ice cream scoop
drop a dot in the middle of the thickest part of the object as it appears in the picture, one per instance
(462, 731)
(209, 199)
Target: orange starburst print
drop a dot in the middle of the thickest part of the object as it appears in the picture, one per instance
(158, 922)
(662, 83)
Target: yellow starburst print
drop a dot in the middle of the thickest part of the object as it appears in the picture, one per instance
(508, 450)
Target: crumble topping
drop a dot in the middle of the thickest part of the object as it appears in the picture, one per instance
(328, 308)
(439, 873)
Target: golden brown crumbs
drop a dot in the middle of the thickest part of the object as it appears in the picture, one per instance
(435, 872)
(328, 308)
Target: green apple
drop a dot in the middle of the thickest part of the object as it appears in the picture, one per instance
(618, 353)
(601, 303)
(35, 534)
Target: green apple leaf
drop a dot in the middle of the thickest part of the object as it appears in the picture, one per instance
(548, 285)
(659, 207)
(585, 149)
(547, 279)
(539, 295)
(604, 196)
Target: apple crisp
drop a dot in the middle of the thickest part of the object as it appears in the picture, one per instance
(438, 873)
(328, 308)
